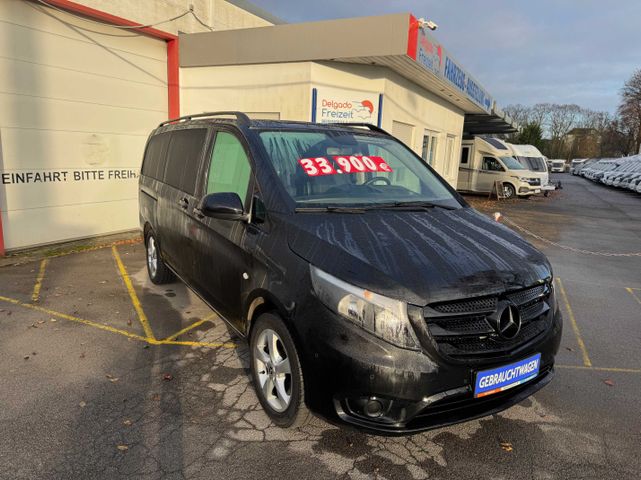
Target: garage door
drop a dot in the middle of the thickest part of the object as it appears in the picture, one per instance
(77, 101)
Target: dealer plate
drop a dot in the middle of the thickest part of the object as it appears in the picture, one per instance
(501, 378)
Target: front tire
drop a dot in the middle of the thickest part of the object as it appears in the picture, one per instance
(509, 191)
(277, 373)
(158, 272)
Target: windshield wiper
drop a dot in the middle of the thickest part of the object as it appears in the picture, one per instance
(330, 209)
(414, 205)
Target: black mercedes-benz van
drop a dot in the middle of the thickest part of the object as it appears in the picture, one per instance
(367, 288)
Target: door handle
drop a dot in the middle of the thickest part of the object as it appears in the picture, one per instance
(184, 203)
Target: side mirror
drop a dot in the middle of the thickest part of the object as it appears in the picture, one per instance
(222, 205)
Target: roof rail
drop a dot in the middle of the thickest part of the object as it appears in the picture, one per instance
(240, 117)
(359, 124)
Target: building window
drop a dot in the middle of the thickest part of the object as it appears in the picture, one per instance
(450, 164)
(430, 143)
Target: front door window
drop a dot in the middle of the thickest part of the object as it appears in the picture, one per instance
(229, 170)
(491, 164)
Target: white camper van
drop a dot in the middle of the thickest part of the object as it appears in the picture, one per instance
(557, 165)
(484, 161)
(532, 159)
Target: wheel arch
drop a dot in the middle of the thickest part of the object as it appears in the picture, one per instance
(262, 301)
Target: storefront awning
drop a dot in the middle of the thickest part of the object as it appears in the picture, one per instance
(496, 122)
(394, 41)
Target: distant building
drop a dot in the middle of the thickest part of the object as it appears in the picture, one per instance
(583, 143)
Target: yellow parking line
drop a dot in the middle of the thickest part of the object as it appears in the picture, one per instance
(73, 319)
(634, 295)
(119, 331)
(601, 369)
(196, 344)
(132, 294)
(190, 327)
(575, 326)
(35, 296)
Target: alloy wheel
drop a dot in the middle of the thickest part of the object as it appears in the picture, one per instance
(508, 191)
(273, 369)
(152, 256)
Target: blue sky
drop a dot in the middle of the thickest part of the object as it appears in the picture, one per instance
(522, 51)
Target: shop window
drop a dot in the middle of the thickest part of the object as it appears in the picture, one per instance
(183, 158)
(430, 143)
(229, 170)
(450, 162)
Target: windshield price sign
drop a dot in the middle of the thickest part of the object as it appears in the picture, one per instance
(317, 166)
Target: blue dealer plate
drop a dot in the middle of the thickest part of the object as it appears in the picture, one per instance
(498, 379)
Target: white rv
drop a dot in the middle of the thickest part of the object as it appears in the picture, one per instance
(557, 165)
(532, 159)
(484, 161)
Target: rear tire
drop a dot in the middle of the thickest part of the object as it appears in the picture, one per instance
(277, 373)
(158, 272)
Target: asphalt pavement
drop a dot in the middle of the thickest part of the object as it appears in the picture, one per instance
(105, 375)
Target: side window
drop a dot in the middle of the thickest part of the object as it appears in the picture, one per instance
(154, 162)
(229, 170)
(183, 158)
(465, 155)
(491, 164)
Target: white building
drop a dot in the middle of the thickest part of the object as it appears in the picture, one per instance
(81, 94)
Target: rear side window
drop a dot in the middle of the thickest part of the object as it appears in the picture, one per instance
(183, 158)
(230, 169)
(154, 162)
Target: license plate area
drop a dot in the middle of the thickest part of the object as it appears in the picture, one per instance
(502, 378)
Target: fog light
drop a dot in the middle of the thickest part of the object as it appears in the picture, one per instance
(373, 408)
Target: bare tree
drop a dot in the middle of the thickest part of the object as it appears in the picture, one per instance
(519, 113)
(539, 113)
(630, 110)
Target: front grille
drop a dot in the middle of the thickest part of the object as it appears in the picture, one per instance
(527, 295)
(534, 181)
(467, 306)
(466, 329)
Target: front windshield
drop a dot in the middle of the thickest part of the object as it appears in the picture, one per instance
(536, 164)
(341, 168)
(512, 163)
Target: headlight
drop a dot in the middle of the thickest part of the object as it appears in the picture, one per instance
(384, 317)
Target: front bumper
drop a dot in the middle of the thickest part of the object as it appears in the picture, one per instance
(527, 189)
(418, 390)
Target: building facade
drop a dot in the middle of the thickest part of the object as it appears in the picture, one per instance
(81, 94)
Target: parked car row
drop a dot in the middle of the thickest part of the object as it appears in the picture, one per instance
(624, 172)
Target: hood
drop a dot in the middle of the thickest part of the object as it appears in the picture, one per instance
(419, 257)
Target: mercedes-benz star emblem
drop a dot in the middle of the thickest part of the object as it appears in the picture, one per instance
(508, 321)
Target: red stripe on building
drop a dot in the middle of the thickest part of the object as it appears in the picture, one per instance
(412, 37)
